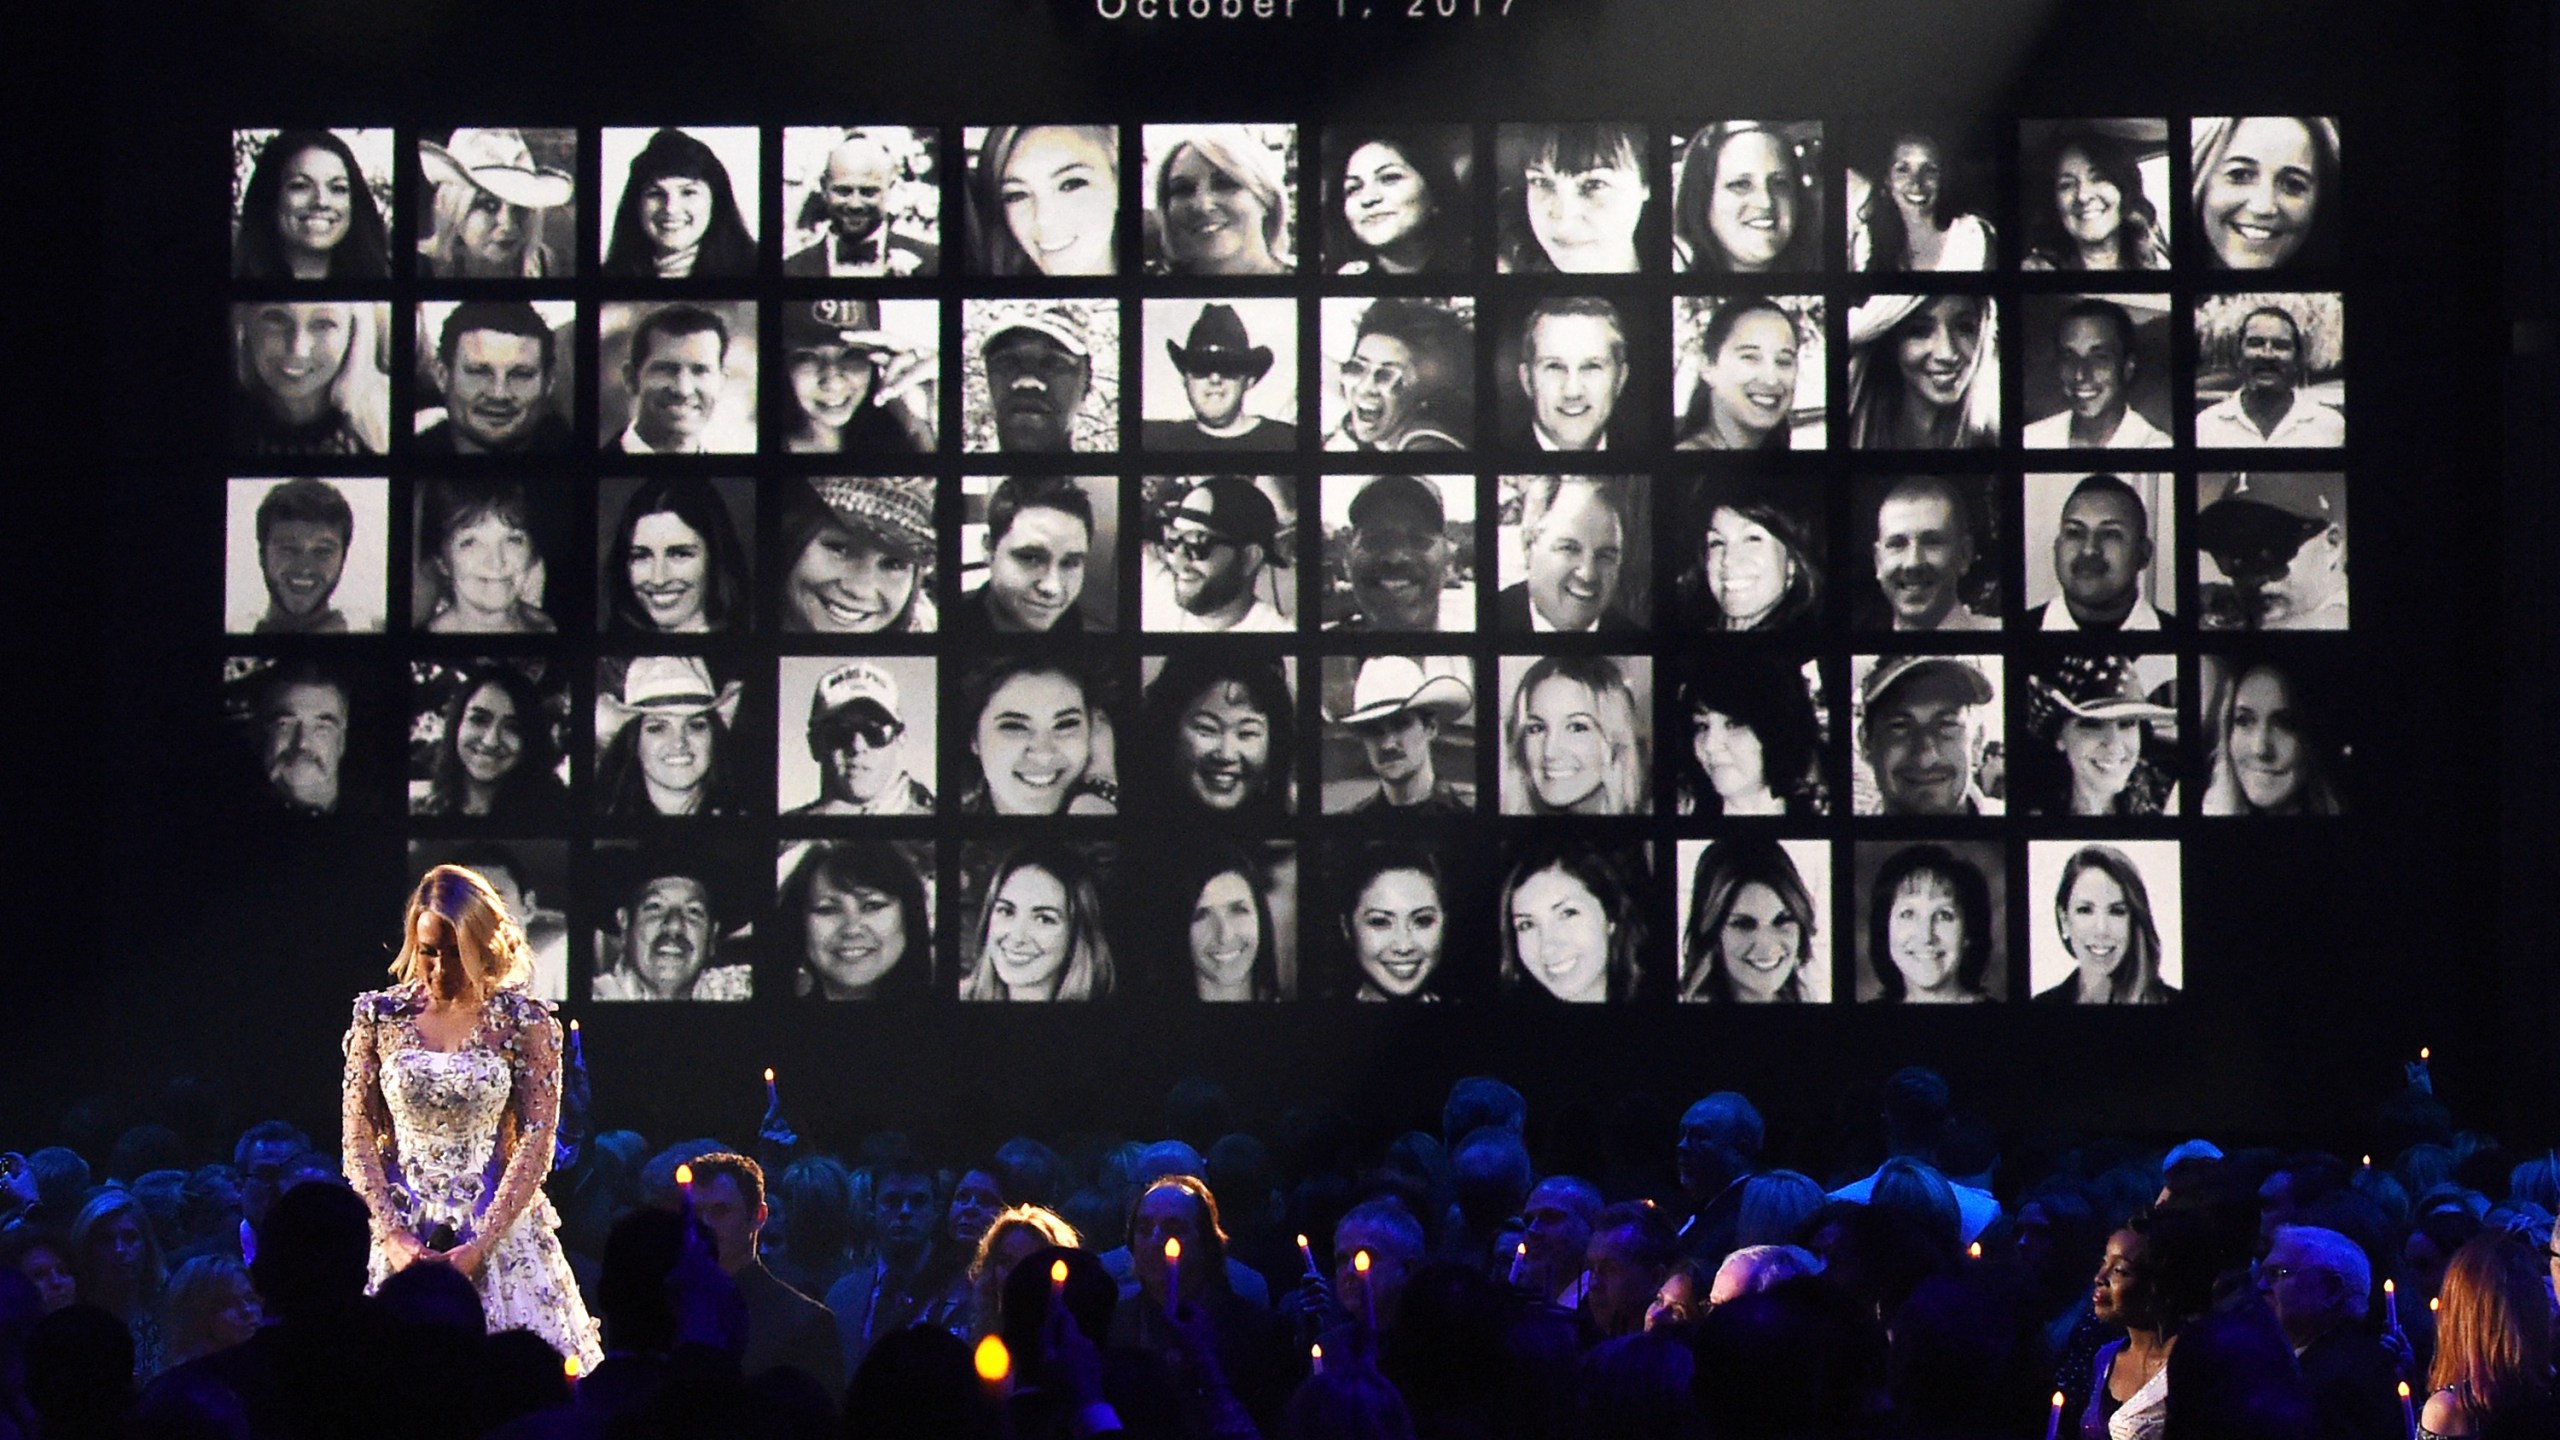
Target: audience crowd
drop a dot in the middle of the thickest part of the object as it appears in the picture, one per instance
(1301, 1285)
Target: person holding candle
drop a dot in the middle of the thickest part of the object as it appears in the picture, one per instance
(1364, 1300)
(785, 1329)
(1017, 1233)
(2318, 1283)
(1232, 1352)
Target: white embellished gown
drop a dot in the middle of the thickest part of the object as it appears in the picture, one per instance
(464, 1138)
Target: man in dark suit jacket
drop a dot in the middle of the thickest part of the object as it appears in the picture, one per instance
(1573, 368)
(2319, 1284)
(852, 195)
(1573, 535)
(784, 1327)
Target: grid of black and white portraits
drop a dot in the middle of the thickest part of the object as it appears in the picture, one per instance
(1296, 561)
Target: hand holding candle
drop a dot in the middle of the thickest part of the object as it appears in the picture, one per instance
(2390, 1306)
(1307, 1253)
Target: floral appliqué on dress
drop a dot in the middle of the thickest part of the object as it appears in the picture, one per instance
(463, 1138)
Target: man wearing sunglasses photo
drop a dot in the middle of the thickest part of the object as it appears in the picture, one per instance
(858, 737)
(1220, 366)
(1217, 545)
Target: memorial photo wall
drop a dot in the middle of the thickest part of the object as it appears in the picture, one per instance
(1832, 560)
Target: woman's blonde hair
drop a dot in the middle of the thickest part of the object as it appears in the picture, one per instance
(361, 392)
(1040, 1220)
(467, 902)
(1625, 786)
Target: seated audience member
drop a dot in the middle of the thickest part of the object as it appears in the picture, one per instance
(1630, 1251)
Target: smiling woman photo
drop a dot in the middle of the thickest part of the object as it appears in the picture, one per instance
(679, 217)
(1924, 373)
(1930, 928)
(1040, 934)
(2266, 190)
(1579, 738)
(1753, 929)
(1221, 203)
(1396, 201)
(1042, 743)
(2102, 907)
(857, 917)
(1395, 918)
(1743, 203)
(675, 564)
(1222, 921)
(308, 213)
(1572, 929)
(496, 753)
(1045, 200)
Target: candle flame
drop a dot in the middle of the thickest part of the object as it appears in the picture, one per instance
(994, 1362)
(2404, 1389)
(684, 1174)
(570, 1367)
(2423, 1053)
(573, 1025)
(2434, 1304)
(1173, 1249)
(1974, 1250)
(2057, 1399)
(2389, 1288)
(1524, 1250)
(1302, 1242)
(1057, 1272)
(1360, 1261)
(768, 1074)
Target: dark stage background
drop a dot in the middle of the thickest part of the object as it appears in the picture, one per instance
(158, 933)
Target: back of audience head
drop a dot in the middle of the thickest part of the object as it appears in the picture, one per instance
(1755, 1268)
(1347, 1401)
(1918, 1190)
(1775, 1205)
(2493, 1330)
(1090, 1297)
(920, 1384)
(1493, 1176)
(1952, 1365)
(312, 1251)
(1798, 1359)
(1478, 1101)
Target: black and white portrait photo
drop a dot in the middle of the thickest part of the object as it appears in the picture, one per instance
(311, 204)
(1218, 199)
(1934, 544)
(1401, 373)
(861, 202)
(1400, 735)
(1040, 377)
(1932, 925)
(668, 738)
(2094, 194)
(305, 556)
(857, 556)
(1398, 199)
(1401, 922)
(1928, 737)
(1036, 928)
(311, 378)
(672, 922)
(532, 880)
(1216, 741)
(1747, 198)
(1918, 197)
(1039, 555)
(856, 918)
(2103, 922)
(1221, 554)
(1043, 200)
(484, 547)
(2275, 738)
(308, 732)
(1577, 734)
(679, 203)
(1574, 199)
(1574, 554)
(1567, 378)
(2095, 372)
(1042, 732)
(676, 379)
(1752, 554)
(1573, 918)
(1218, 375)
(1924, 372)
(1750, 735)
(494, 377)
(2271, 550)
(489, 740)
(856, 736)
(2102, 737)
(866, 376)
(1399, 553)
(1226, 918)
(497, 203)
(1748, 372)
(2266, 190)
(2101, 551)
(671, 554)
(2271, 371)
(1755, 921)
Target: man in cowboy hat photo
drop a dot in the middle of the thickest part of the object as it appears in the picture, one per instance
(1039, 372)
(2280, 541)
(1398, 707)
(852, 197)
(1573, 367)
(1924, 724)
(662, 736)
(858, 736)
(1216, 544)
(855, 387)
(493, 201)
(1220, 366)
(494, 369)
(667, 935)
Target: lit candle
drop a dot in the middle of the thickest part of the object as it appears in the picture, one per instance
(1974, 1250)
(2408, 1412)
(772, 1097)
(2053, 1423)
(1368, 1299)
(1172, 1274)
(570, 1367)
(1308, 1253)
(994, 1365)
(684, 1190)
(2391, 1305)
(1315, 1354)
(2423, 1054)
(1057, 1283)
